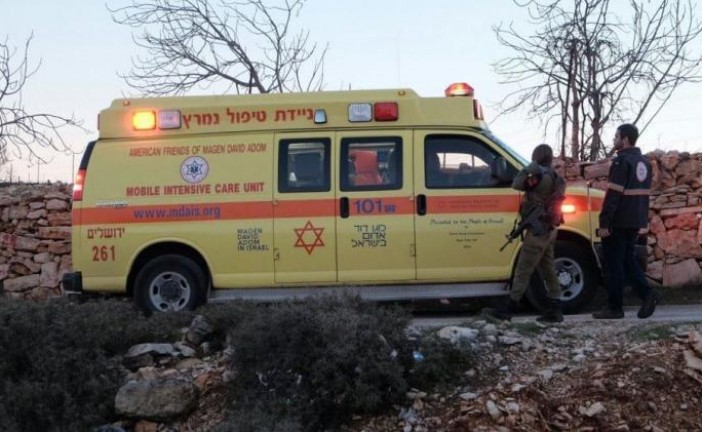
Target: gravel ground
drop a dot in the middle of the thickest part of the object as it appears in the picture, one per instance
(575, 376)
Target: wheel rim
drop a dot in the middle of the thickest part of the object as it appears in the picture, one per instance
(169, 291)
(571, 278)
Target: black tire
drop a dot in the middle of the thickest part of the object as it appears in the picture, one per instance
(170, 283)
(578, 275)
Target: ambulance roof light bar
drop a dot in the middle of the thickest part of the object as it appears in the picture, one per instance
(459, 89)
(149, 119)
(169, 119)
(379, 111)
(386, 111)
(144, 120)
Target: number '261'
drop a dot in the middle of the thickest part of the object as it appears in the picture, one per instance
(103, 253)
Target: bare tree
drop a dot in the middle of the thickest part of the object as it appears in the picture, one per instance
(248, 45)
(586, 65)
(24, 134)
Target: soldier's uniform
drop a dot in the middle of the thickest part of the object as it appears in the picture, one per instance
(538, 247)
(543, 188)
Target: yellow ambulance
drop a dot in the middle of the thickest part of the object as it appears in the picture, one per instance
(384, 193)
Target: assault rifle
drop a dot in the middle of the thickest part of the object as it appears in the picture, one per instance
(531, 220)
(541, 214)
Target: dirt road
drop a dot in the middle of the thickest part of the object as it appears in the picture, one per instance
(664, 313)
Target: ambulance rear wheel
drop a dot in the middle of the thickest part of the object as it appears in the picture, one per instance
(170, 283)
(577, 275)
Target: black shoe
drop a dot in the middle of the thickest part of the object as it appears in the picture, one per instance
(649, 304)
(496, 314)
(608, 313)
(502, 313)
(551, 317)
(553, 314)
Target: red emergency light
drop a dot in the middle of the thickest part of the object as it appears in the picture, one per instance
(385, 111)
(459, 89)
(78, 186)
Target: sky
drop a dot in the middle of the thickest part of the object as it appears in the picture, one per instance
(372, 44)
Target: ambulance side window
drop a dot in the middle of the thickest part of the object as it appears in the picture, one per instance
(371, 163)
(455, 161)
(304, 166)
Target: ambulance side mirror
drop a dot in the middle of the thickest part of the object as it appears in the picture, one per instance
(499, 170)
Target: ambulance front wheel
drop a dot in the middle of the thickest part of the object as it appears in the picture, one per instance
(170, 283)
(578, 278)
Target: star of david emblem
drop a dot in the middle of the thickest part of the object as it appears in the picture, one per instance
(309, 237)
(194, 169)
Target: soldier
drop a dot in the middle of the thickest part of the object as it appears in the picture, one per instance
(624, 213)
(544, 192)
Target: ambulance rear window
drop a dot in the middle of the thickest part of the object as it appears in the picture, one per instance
(304, 165)
(371, 163)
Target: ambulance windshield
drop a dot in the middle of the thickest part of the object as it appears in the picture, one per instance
(507, 148)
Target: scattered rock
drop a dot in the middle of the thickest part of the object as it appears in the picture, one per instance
(558, 367)
(692, 360)
(593, 410)
(493, 410)
(199, 331)
(157, 400)
(508, 340)
(456, 334)
(151, 348)
(512, 407)
(545, 374)
(469, 396)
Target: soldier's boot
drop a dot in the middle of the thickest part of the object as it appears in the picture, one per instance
(504, 312)
(553, 313)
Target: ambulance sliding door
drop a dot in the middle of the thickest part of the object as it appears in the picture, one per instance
(463, 211)
(304, 209)
(375, 225)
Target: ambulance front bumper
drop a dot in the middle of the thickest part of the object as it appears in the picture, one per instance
(72, 283)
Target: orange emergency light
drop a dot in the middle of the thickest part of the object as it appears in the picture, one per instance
(144, 120)
(568, 208)
(459, 89)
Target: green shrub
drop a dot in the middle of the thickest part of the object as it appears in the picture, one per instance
(225, 316)
(258, 418)
(60, 363)
(315, 363)
(443, 364)
(301, 366)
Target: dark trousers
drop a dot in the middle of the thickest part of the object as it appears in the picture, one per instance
(622, 267)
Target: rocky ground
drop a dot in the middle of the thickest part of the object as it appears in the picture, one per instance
(584, 376)
(593, 376)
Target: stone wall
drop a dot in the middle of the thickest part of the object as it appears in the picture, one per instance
(35, 231)
(35, 239)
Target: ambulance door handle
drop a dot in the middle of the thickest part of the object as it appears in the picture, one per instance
(344, 207)
(421, 204)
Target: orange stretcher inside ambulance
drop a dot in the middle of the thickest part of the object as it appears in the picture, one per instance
(182, 200)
